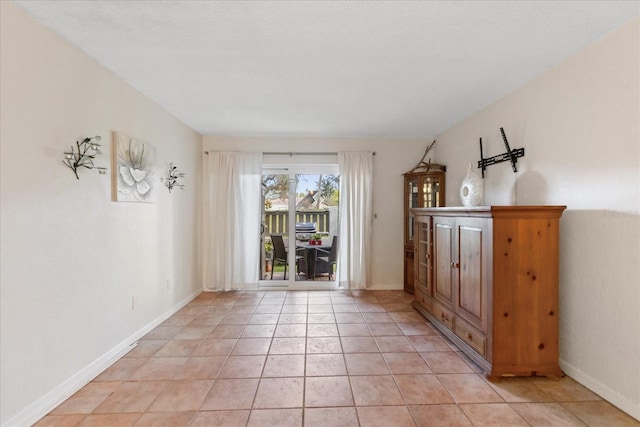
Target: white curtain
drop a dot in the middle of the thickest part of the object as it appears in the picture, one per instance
(356, 215)
(231, 241)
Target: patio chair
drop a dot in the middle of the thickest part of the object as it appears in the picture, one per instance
(280, 254)
(329, 258)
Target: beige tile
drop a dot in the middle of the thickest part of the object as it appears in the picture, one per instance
(258, 331)
(546, 414)
(70, 420)
(132, 396)
(293, 308)
(275, 417)
(160, 368)
(163, 333)
(377, 317)
(520, 389)
(375, 391)
(325, 365)
(439, 416)
(366, 364)
(242, 367)
(406, 363)
(469, 388)
(291, 330)
(251, 346)
(565, 389)
(207, 320)
(235, 319)
(245, 307)
(101, 420)
(319, 308)
(353, 330)
(345, 308)
(146, 348)
(330, 417)
(122, 370)
(228, 394)
(185, 395)
(416, 328)
(193, 332)
(269, 309)
(321, 318)
(366, 307)
(165, 419)
(424, 343)
(292, 319)
(201, 368)
(215, 347)
(424, 389)
(406, 317)
(288, 346)
(359, 345)
(327, 392)
(324, 345)
(264, 319)
(285, 365)
(493, 415)
(176, 348)
(349, 318)
(322, 330)
(87, 398)
(279, 393)
(384, 329)
(394, 344)
(446, 362)
(226, 331)
(396, 306)
(384, 416)
(600, 414)
(315, 300)
(220, 419)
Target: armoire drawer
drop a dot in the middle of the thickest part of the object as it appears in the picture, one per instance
(470, 335)
(422, 299)
(444, 314)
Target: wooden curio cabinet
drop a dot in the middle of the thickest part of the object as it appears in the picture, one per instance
(422, 189)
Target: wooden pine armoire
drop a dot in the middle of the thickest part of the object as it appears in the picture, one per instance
(487, 278)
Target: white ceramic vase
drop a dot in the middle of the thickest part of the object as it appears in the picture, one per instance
(472, 189)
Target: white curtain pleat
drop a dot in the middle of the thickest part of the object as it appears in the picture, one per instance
(231, 241)
(356, 216)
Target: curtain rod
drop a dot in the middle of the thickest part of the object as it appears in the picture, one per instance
(298, 153)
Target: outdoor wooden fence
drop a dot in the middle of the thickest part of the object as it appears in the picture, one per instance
(277, 222)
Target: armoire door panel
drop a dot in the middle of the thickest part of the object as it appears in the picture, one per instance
(443, 243)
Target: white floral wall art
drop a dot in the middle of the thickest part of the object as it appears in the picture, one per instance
(134, 169)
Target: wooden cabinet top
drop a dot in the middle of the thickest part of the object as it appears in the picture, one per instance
(493, 211)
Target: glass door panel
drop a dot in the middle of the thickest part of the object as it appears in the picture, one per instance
(299, 222)
(412, 202)
(275, 228)
(316, 224)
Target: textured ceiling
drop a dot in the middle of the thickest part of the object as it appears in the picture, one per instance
(328, 68)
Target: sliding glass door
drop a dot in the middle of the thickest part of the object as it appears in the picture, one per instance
(300, 226)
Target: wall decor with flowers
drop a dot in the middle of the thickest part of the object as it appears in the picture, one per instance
(133, 170)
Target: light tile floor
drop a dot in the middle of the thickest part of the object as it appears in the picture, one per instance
(315, 358)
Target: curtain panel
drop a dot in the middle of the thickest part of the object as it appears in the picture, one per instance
(356, 216)
(231, 228)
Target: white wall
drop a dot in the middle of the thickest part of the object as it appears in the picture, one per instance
(393, 158)
(579, 124)
(71, 259)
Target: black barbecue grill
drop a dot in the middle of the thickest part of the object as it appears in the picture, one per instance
(304, 230)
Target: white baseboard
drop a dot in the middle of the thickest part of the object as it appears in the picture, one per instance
(41, 407)
(622, 402)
